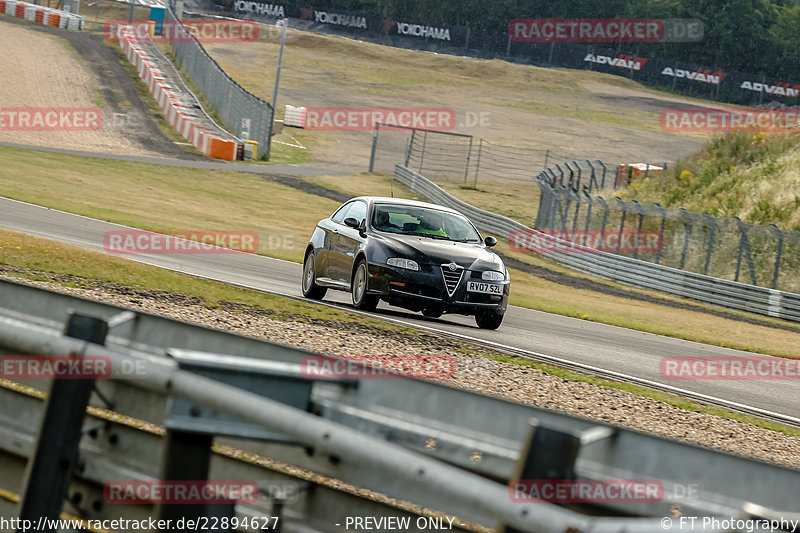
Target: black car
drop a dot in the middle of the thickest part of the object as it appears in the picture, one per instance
(415, 255)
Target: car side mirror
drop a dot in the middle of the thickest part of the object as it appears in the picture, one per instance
(490, 241)
(351, 222)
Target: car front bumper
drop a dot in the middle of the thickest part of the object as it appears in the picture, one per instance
(417, 290)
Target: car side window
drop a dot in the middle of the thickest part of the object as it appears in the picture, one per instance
(338, 216)
(358, 211)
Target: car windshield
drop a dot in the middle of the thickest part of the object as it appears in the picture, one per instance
(425, 222)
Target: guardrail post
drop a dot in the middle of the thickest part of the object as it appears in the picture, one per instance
(713, 227)
(50, 467)
(777, 255)
(186, 457)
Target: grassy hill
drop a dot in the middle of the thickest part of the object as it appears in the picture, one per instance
(754, 176)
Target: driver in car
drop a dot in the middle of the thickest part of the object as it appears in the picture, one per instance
(382, 220)
(431, 224)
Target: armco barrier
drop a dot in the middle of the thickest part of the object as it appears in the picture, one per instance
(635, 272)
(179, 110)
(423, 442)
(42, 15)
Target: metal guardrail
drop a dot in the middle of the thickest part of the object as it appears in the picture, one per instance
(626, 270)
(420, 442)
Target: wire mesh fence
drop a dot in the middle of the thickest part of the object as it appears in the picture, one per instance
(245, 115)
(452, 156)
(725, 248)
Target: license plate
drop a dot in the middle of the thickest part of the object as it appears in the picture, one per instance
(486, 288)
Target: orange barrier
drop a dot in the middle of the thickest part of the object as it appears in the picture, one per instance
(53, 19)
(221, 148)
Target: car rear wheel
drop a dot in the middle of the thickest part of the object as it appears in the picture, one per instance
(310, 287)
(488, 319)
(359, 286)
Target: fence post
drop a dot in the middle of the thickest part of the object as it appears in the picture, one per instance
(546, 157)
(687, 232)
(605, 219)
(713, 226)
(639, 227)
(374, 146)
(777, 256)
(408, 148)
(422, 152)
(661, 234)
(744, 246)
(588, 211)
(593, 179)
(603, 166)
(466, 166)
(478, 162)
(624, 210)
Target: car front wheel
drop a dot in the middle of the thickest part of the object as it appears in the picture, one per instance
(362, 300)
(310, 287)
(488, 319)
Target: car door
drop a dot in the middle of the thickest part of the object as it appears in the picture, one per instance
(331, 227)
(345, 244)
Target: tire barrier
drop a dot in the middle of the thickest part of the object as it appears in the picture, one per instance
(180, 110)
(42, 15)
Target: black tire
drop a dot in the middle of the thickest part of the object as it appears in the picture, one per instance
(488, 319)
(359, 286)
(309, 280)
(433, 312)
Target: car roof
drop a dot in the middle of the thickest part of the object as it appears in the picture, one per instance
(404, 201)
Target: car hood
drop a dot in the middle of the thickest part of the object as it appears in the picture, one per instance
(425, 250)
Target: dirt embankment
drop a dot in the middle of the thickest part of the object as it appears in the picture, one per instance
(44, 68)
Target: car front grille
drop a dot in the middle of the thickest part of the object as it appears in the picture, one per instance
(451, 278)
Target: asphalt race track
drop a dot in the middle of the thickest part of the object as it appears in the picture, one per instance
(611, 348)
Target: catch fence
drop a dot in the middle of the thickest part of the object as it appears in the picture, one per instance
(241, 112)
(449, 156)
(725, 248)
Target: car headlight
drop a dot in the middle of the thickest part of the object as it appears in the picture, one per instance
(493, 275)
(399, 262)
